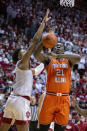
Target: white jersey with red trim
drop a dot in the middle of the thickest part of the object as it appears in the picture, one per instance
(24, 81)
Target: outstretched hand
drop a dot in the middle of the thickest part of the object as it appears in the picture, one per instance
(47, 18)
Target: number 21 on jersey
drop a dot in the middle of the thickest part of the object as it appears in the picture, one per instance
(60, 76)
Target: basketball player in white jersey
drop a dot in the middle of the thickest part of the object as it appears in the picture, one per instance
(17, 108)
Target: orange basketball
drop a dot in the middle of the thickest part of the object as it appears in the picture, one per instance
(49, 40)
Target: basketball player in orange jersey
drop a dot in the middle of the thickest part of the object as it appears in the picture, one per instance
(17, 107)
(56, 102)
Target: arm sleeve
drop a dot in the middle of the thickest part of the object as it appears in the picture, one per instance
(39, 69)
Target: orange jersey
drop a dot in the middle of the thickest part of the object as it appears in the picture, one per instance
(58, 76)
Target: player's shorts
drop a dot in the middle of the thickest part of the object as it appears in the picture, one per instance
(17, 110)
(55, 108)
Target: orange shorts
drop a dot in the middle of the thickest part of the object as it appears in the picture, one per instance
(55, 108)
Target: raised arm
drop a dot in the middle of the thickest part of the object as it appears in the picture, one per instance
(25, 61)
(73, 58)
(42, 57)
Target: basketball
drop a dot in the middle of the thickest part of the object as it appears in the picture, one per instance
(49, 40)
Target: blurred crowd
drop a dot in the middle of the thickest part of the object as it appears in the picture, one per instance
(19, 20)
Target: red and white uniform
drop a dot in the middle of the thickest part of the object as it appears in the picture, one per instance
(24, 81)
(17, 107)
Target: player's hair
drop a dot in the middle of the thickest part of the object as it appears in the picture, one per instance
(15, 55)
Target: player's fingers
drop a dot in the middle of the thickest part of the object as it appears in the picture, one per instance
(48, 11)
(49, 18)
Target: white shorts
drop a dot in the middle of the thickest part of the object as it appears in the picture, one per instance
(17, 110)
